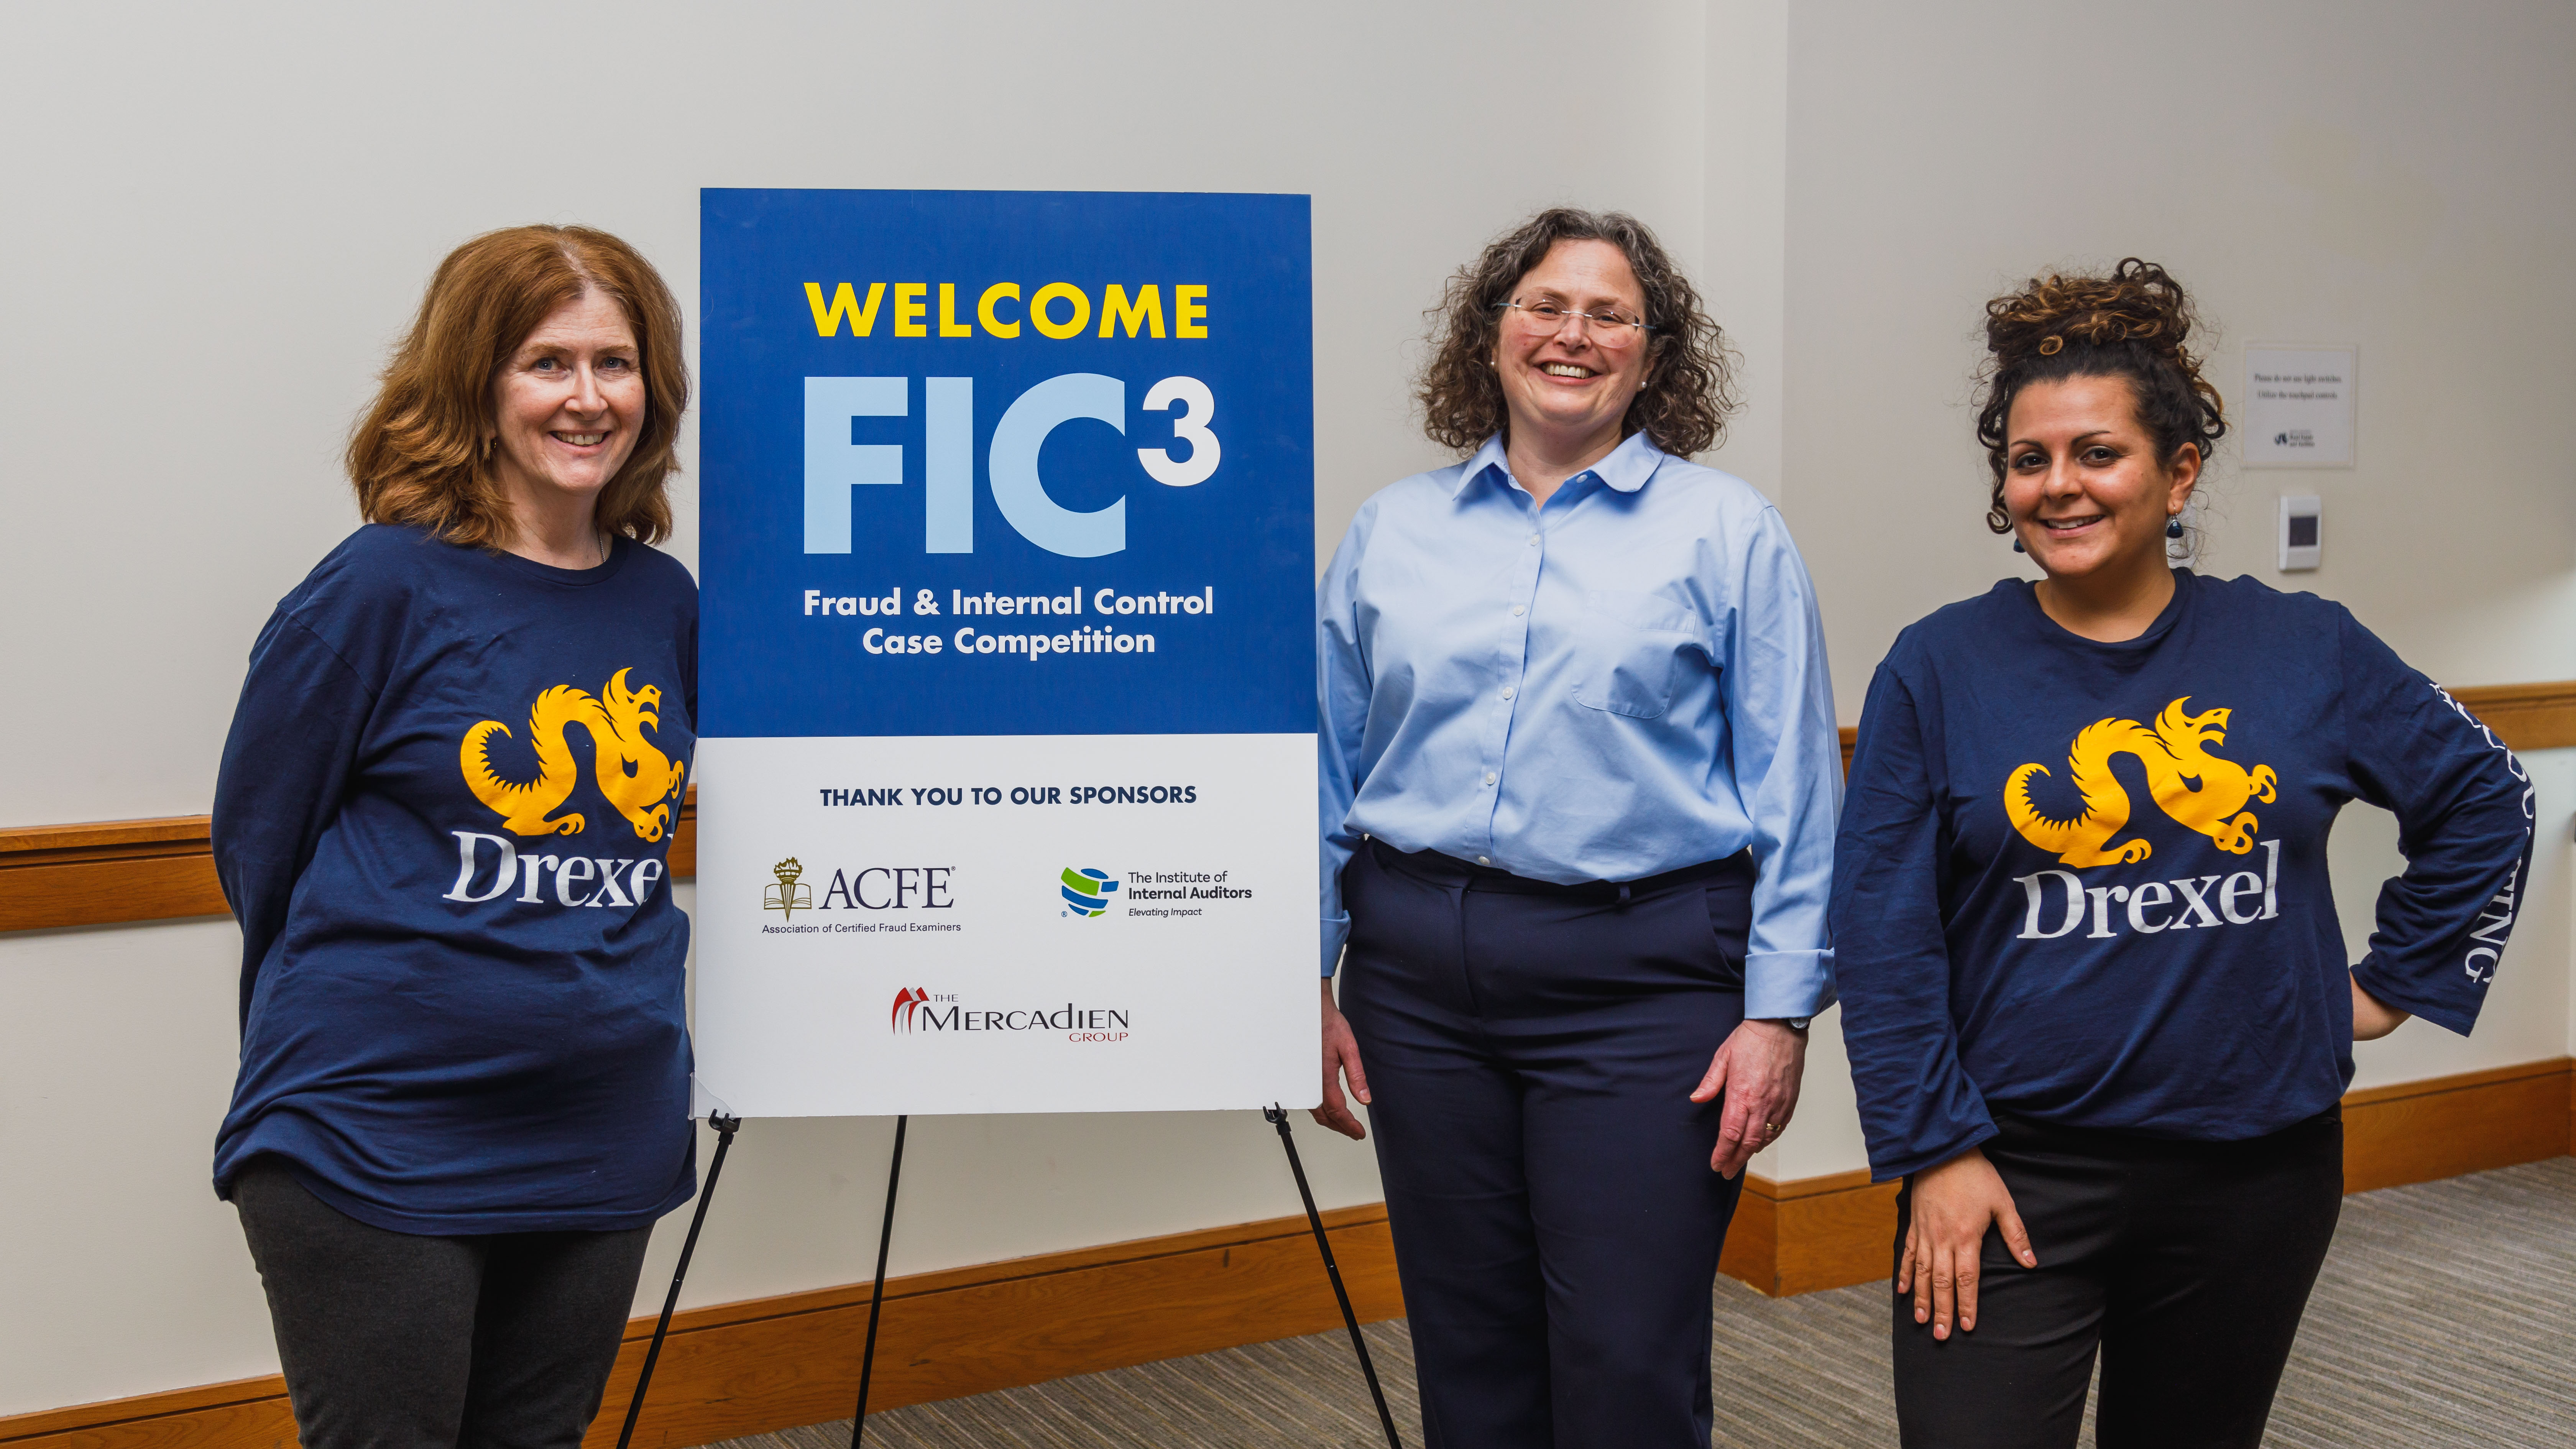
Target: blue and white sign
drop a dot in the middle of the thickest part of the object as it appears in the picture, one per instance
(1006, 695)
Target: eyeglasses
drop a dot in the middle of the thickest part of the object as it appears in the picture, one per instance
(1608, 329)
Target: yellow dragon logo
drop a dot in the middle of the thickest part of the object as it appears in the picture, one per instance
(2193, 786)
(636, 777)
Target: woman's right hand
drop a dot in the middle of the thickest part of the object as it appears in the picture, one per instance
(1341, 1057)
(1945, 1238)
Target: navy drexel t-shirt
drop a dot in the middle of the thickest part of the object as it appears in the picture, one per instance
(2087, 883)
(444, 821)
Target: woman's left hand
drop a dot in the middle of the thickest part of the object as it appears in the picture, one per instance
(2373, 1018)
(1758, 1069)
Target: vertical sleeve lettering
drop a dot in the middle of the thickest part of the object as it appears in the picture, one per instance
(2464, 808)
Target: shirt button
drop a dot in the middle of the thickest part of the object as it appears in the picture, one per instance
(1516, 611)
(1484, 860)
(1489, 777)
(1533, 539)
(1507, 691)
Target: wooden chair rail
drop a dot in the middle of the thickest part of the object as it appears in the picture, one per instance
(117, 871)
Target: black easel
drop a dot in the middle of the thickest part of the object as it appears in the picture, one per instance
(1359, 1345)
(725, 1128)
(876, 1300)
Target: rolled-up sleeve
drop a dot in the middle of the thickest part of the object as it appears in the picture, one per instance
(1342, 702)
(1786, 756)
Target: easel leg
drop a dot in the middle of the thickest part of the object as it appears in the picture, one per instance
(725, 1127)
(876, 1301)
(1359, 1345)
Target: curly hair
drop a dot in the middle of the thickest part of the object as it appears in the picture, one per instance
(1689, 387)
(2132, 324)
(419, 455)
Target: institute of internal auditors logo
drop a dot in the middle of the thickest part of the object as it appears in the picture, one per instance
(1086, 891)
(787, 897)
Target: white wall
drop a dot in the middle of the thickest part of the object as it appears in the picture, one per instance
(2322, 171)
(221, 220)
(220, 217)
(2383, 174)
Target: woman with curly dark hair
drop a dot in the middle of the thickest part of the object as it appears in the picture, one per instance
(1579, 779)
(2094, 992)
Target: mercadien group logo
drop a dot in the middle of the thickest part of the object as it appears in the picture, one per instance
(1087, 891)
(906, 1003)
(917, 1011)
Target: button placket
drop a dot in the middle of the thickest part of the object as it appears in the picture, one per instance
(1514, 665)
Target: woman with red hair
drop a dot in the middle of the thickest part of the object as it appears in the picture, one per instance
(443, 815)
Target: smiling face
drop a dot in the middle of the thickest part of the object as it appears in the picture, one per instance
(2087, 493)
(1566, 391)
(567, 407)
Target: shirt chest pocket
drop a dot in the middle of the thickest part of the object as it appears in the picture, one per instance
(1631, 647)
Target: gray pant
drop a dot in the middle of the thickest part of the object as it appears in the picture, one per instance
(403, 1341)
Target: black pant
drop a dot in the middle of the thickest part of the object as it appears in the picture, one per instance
(403, 1341)
(1530, 1053)
(2187, 1263)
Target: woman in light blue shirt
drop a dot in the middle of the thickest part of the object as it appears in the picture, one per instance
(1580, 779)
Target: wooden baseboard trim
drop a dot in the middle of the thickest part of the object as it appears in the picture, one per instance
(1809, 1233)
(2553, 1068)
(227, 1414)
(2443, 1127)
(1831, 1232)
(773, 1363)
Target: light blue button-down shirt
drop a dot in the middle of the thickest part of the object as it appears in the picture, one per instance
(1627, 681)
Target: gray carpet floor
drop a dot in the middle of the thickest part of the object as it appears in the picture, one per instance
(2446, 1316)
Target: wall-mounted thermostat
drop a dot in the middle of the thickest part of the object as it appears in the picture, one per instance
(2302, 541)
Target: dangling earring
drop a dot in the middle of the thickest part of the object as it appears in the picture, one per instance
(2017, 548)
(2173, 526)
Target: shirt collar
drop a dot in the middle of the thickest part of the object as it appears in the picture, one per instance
(1626, 469)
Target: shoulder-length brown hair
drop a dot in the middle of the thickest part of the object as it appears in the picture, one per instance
(419, 456)
(1689, 387)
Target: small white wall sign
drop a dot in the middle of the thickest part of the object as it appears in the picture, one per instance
(2299, 406)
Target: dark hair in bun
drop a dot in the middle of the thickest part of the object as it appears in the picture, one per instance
(2132, 324)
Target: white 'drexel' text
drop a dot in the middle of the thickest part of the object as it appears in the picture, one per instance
(579, 880)
(2148, 907)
